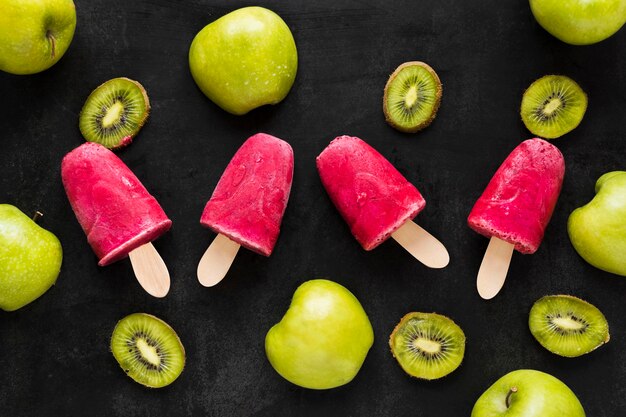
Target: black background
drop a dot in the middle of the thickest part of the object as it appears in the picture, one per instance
(54, 353)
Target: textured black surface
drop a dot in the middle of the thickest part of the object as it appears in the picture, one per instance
(54, 356)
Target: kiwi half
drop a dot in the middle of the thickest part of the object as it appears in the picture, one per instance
(568, 326)
(148, 350)
(412, 97)
(553, 106)
(427, 345)
(114, 113)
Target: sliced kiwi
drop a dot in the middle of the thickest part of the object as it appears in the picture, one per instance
(114, 113)
(552, 106)
(427, 345)
(412, 97)
(568, 326)
(148, 350)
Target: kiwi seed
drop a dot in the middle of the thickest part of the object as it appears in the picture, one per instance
(553, 106)
(412, 97)
(427, 345)
(568, 326)
(114, 113)
(148, 350)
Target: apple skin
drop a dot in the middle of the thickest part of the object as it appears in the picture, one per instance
(244, 60)
(30, 259)
(580, 22)
(538, 395)
(597, 230)
(34, 34)
(323, 339)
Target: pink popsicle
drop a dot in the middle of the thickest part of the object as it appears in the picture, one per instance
(517, 204)
(250, 198)
(114, 209)
(371, 195)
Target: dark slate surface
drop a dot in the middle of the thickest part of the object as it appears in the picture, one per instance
(54, 353)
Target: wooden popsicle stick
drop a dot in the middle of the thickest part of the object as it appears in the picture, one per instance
(150, 270)
(494, 267)
(217, 260)
(422, 245)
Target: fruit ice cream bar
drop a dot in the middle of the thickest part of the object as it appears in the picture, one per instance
(519, 200)
(114, 209)
(371, 195)
(250, 198)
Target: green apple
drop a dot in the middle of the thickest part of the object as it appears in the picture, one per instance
(30, 259)
(323, 339)
(528, 393)
(598, 229)
(34, 34)
(244, 60)
(580, 22)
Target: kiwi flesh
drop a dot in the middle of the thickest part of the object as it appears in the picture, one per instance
(114, 113)
(148, 350)
(553, 106)
(412, 96)
(568, 326)
(427, 345)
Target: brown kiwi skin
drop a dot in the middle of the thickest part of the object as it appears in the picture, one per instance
(128, 139)
(393, 333)
(438, 95)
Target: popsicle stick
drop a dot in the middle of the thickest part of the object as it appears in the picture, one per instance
(150, 270)
(422, 245)
(494, 267)
(217, 260)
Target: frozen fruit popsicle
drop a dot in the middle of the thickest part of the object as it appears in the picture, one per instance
(247, 205)
(117, 213)
(376, 200)
(516, 207)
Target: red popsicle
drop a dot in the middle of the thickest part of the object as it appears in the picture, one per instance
(375, 199)
(248, 204)
(115, 210)
(516, 207)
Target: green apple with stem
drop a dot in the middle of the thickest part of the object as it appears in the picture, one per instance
(34, 34)
(597, 230)
(580, 22)
(30, 258)
(323, 339)
(528, 393)
(244, 60)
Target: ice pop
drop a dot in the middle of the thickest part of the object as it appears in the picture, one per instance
(248, 204)
(516, 207)
(375, 199)
(116, 212)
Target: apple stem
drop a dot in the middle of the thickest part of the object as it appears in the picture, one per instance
(50, 37)
(512, 391)
(37, 216)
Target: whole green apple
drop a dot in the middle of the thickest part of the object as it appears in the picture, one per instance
(30, 259)
(244, 60)
(528, 393)
(323, 339)
(598, 229)
(580, 22)
(34, 34)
